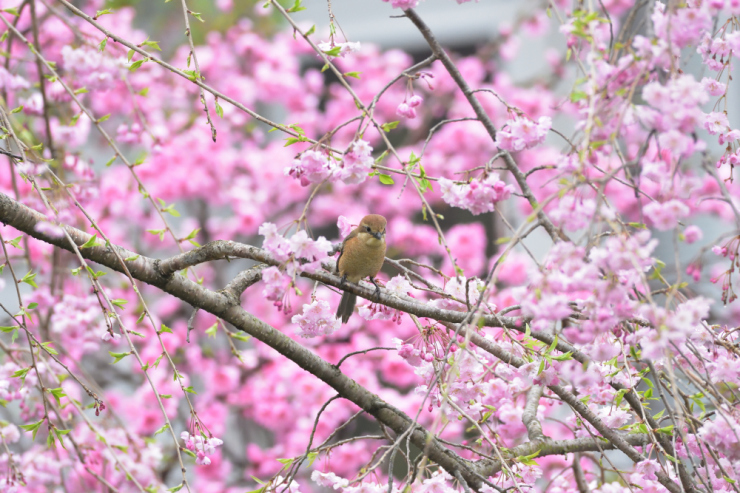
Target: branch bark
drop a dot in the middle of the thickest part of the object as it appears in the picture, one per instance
(147, 270)
(222, 249)
(224, 306)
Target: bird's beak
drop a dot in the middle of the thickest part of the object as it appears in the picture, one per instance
(378, 235)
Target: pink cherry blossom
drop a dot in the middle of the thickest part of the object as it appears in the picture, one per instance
(317, 319)
(522, 133)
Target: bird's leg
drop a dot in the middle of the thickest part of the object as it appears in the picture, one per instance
(342, 281)
(376, 296)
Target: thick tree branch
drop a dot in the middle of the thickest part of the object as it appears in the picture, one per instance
(529, 416)
(222, 249)
(559, 447)
(221, 305)
(615, 438)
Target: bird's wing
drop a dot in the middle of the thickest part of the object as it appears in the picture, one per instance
(353, 234)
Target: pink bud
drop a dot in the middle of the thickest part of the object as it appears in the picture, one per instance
(415, 101)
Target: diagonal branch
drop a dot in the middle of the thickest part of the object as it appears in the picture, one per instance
(221, 305)
(480, 113)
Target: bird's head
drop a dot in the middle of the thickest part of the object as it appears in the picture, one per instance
(373, 225)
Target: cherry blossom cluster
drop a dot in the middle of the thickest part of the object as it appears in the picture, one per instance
(622, 245)
(315, 166)
(478, 196)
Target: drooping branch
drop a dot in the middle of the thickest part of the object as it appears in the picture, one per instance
(480, 113)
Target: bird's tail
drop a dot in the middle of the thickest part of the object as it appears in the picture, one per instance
(346, 306)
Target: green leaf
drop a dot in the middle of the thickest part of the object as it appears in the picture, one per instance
(91, 242)
(178, 487)
(356, 75)
(111, 161)
(33, 427)
(311, 31)
(620, 396)
(152, 44)
(164, 329)
(311, 457)
(197, 16)
(118, 356)
(192, 234)
(385, 179)
(162, 429)
(47, 347)
(668, 430)
(102, 12)
(156, 363)
(102, 44)
(9, 329)
(58, 393)
(132, 258)
(387, 127)
(159, 232)
(285, 462)
(138, 63)
(527, 459)
(29, 279)
(12, 11)
(120, 303)
(219, 110)
(190, 390)
(21, 373)
(17, 110)
(239, 337)
(211, 331)
(297, 7)
(563, 357)
(81, 90)
(170, 209)
(15, 242)
(334, 51)
(192, 75)
(103, 118)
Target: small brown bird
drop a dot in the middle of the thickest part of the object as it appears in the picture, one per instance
(362, 255)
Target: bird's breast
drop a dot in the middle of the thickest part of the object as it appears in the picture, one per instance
(373, 242)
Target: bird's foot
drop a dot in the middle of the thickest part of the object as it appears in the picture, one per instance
(342, 281)
(376, 295)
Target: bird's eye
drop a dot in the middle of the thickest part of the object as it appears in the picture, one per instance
(368, 228)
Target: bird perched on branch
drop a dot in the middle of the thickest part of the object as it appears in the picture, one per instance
(362, 255)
